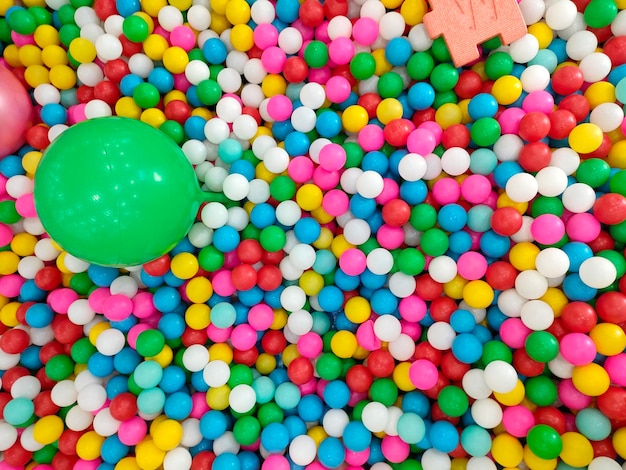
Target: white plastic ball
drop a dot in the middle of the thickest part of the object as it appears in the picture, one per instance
(508, 147)
(108, 47)
(597, 272)
(419, 38)
(391, 25)
(532, 10)
(522, 187)
(560, 367)
(110, 342)
(302, 450)
(28, 441)
(595, 66)
(379, 261)
(486, 413)
(245, 127)
(290, 40)
(537, 315)
(525, 49)
(441, 335)
(140, 64)
(89, 74)
(302, 256)
(339, 27)
(228, 108)
(236, 187)
(214, 215)
(45, 94)
(216, 373)
(335, 421)
(84, 16)
(433, 166)
(29, 266)
(455, 161)
(474, 385)
(551, 181)
(92, 397)
(402, 285)
(412, 167)
(26, 386)
(578, 198)
(105, 424)
(8, 436)
(604, 463)
(370, 183)
(259, 191)
(237, 218)
(276, 160)
(229, 80)
(303, 119)
(191, 432)
(531, 284)
(45, 250)
(169, 17)
(373, 9)
(196, 71)
(552, 262)
(200, 235)
(177, 459)
(199, 17)
(535, 78)
(607, 116)
(252, 95)
(442, 269)
(41, 336)
(561, 15)
(618, 26)
(480, 463)
(375, 416)
(195, 357)
(242, 398)
(300, 322)
(312, 95)
(402, 348)
(254, 72)
(387, 328)
(581, 44)
(288, 213)
(262, 12)
(500, 376)
(292, 298)
(226, 443)
(432, 459)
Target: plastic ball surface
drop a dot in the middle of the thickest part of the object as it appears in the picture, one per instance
(15, 113)
(116, 192)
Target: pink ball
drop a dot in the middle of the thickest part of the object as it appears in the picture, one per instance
(365, 31)
(332, 157)
(16, 112)
(357, 458)
(434, 128)
(132, 431)
(10, 285)
(341, 50)
(583, 227)
(243, 337)
(273, 59)
(275, 462)
(513, 332)
(134, 332)
(310, 345)
(21, 40)
(395, 449)
(338, 89)
(279, 107)
(97, 298)
(61, 299)
(547, 229)
(87, 464)
(412, 308)
(577, 349)
(143, 306)
(371, 137)
(324, 179)
(390, 191)
(260, 317)
(517, 420)
(471, 265)
(446, 191)
(476, 189)
(265, 35)
(390, 237)
(199, 405)
(321, 75)
(335, 202)
(411, 329)
(218, 335)
(421, 141)
(509, 120)
(540, 101)
(366, 337)
(222, 283)
(301, 169)
(183, 37)
(308, 387)
(353, 262)
(6, 235)
(181, 83)
(615, 366)
(25, 205)
(117, 307)
(571, 397)
(423, 374)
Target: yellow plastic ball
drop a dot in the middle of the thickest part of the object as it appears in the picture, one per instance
(523, 255)
(619, 442)
(53, 55)
(8, 262)
(289, 354)
(30, 54)
(577, 450)
(152, 7)
(354, 118)
(448, 114)
(401, 377)
(148, 455)
(82, 50)
(309, 197)
(280, 319)
(164, 358)
(30, 161)
(507, 89)
(340, 245)
(199, 290)
(11, 54)
(478, 294)
(88, 445)
(219, 23)
(62, 77)
(507, 450)
(343, 344)
(127, 463)
(591, 379)
(48, 429)
(237, 12)
(459, 463)
(512, 398)
(198, 316)
(242, 37)
(167, 434)
(357, 309)
(465, 115)
(311, 282)
(537, 463)
(36, 75)
(4, 6)
(322, 216)
(391, 4)
(265, 363)
(413, 11)
(175, 59)
(155, 46)
(126, 107)
(8, 313)
(184, 265)
(273, 84)
(388, 110)
(617, 155)
(46, 35)
(217, 397)
(174, 95)
(454, 288)
(219, 7)
(585, 138)
(382, 64)
(317, 433)
(324, 240)
(153, 116)
(556, 299)
(609, 338)
(23, 244)
(542, 32)
(181, 5)
(505, 201)
(600, 92)
(96, 329)
(221, 352)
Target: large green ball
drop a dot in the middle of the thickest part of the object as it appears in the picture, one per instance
(116, 192)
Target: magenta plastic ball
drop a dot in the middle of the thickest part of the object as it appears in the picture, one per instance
(16, 112)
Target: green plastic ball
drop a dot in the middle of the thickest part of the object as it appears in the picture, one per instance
(544, 441)
(541, 346)
(362, 66)
(453, 401)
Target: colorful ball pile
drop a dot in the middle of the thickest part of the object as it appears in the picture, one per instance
(409, 265)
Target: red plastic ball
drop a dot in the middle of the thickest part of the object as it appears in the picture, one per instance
(158, 267)
(14, 341)
(525, 365)
(610, 208)
(11, 375)
(380, 363)
(562, 121)
(104, 8)
(534, 126)
(334, 8)
(64, 462)
(107, 91)
(84, 94)
(567, 80)
(203, 460)
(427, 288)
(551, 417)
(438, 415)
(65, 331)
(359, 378)
(557, 329)
(397, 131)
(396, 212)
(577, 105)
(452, 368)
(123, 406)
(534, 156)
(249, 251)
(611, 307)
(604, 448)
(442, 308)
(433, 393)
(243, 277)
(425, 115)
(579, 317)
(272, 257)
(68, 440)
(273, 342)
(602, 151)
(48, 278)
(501, 275)
(247, 357)
(269, 277)
(615, 48)
(457, 135)
(44, 406)
(506, 221)
(130, 48)
(48, 350)
(426, 351)
(370, 102)
(613, 403)
(311, 13)
(469, 84)
(300, 370)
(191, 336)
(37, 137)
(17, 456)
(115, 70)
(177, 110)
(295, 69)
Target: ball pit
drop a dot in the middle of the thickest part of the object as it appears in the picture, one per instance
(327, 246)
